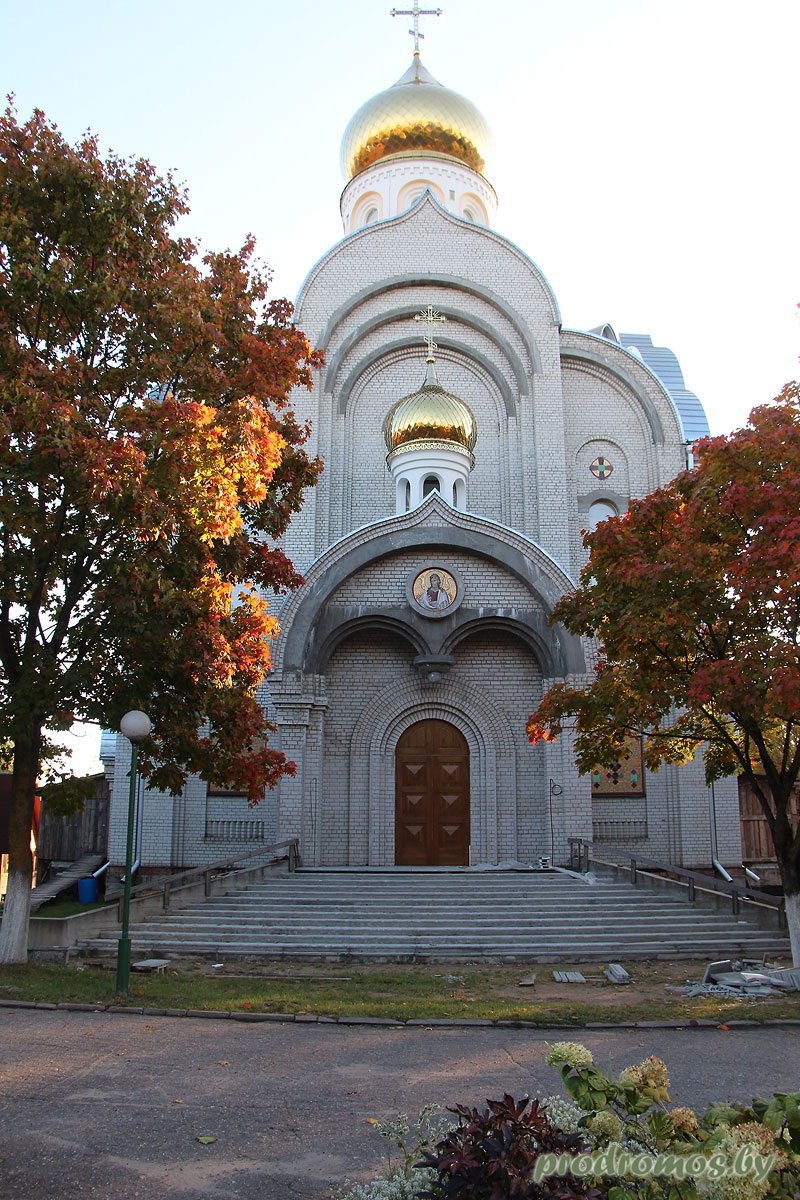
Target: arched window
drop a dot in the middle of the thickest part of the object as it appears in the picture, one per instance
(410, 193)
(599, 511)
(367, 211)
(431, 484)
(472, 209)
(408, 495)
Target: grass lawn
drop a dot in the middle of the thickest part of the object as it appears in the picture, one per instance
(70, 908)
(397, 991)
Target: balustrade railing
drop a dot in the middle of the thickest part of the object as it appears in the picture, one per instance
(582, 852)
(233, 864)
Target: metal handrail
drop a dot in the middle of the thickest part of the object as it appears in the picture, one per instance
(584, 850)
(166, 883)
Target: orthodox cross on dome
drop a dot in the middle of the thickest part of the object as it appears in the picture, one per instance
(430, 316)
(416, 12)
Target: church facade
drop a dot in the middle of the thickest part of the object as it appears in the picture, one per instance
(468, 439)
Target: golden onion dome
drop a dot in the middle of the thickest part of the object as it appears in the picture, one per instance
(415, 114)
(430, 414)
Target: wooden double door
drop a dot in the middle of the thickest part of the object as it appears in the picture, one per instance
(432, 796)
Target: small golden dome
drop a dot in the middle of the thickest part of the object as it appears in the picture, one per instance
(415, 114)
(430, 414)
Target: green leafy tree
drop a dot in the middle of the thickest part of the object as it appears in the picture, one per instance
(694, 595)
(148, 461)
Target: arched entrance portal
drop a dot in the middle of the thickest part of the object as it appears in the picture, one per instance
(432, 796)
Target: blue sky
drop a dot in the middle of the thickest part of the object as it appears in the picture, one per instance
(645, 152)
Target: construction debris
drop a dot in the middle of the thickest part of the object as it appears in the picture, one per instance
(787, 978)
(738, 980)
(616, 973)
(528, 981)
(714, 968)
(159, 965)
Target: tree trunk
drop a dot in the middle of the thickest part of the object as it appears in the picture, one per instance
(17, 909)
(786, 841)
(793, 923)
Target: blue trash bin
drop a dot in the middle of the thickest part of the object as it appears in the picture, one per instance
(87, 890)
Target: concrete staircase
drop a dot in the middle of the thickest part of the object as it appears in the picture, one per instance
(438, 915)
(64, 880)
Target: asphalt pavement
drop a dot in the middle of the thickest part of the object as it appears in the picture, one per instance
(111, 1104)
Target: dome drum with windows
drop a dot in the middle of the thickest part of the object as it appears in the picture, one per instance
(430, 436)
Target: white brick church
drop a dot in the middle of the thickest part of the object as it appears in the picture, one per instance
(468, 437)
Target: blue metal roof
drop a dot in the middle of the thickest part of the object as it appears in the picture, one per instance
(663, 363)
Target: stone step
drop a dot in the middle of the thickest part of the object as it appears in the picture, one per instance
(542, 881)
(287, 932)
(384, 937)
(564, 950)
(522, 914)
(542, 899)
(436, 952)
(453, 921)
(593, 899)
(545, 903)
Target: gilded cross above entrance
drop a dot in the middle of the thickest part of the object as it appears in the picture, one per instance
(430, 316)
(416, 12)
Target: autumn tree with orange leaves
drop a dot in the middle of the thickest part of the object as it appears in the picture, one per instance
(694, 595)
(148, 461)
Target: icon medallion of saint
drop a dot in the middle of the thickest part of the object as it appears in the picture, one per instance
(435, 590)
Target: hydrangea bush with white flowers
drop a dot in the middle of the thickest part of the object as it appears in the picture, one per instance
(734, 1152)
(624, 1142)
(402, 1179)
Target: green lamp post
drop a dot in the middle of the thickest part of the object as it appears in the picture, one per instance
(135, 726)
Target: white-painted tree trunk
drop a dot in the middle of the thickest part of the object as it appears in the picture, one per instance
(793, 923)
(16, 911)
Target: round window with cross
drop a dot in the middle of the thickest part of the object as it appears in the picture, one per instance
(601, 468)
